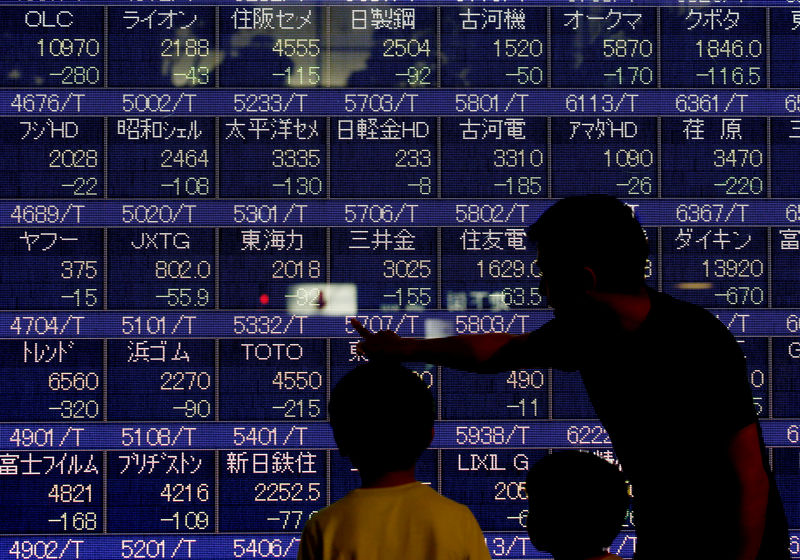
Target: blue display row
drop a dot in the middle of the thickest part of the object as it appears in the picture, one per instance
(254, 323)
(307, 271)
(169, 492)
(312, 158)
(372, 212)
(388, 101)
(128, 491)
(287, 379)
(545, 434)
(413, 46)
(272, 545)
(226, 547)
(504, 3)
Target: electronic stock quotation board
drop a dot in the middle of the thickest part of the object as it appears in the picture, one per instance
(196, 196)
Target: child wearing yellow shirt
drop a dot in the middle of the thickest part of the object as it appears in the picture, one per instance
(382, 419)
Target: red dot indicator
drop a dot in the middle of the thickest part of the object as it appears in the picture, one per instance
(264, 299)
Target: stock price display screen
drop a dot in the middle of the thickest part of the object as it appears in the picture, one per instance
(197, 196)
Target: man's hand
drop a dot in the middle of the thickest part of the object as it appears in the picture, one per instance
(382, 344)
(483, 353)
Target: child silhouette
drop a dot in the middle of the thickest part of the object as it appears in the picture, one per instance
(382, 418)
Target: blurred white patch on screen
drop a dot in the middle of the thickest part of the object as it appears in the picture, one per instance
(694, 285)
(322, 299)
(437, 328)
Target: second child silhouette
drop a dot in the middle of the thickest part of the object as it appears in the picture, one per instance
(577, 503)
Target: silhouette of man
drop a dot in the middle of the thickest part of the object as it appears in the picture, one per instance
(577, 504)
(666, 378)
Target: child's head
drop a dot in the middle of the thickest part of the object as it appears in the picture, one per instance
(382, 417)
(577, 503)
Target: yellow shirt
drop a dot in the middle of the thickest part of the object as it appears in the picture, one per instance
(409, 521)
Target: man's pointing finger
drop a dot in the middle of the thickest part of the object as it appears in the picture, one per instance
(360, 329)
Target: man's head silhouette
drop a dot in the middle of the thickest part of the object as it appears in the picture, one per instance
(590, 242)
